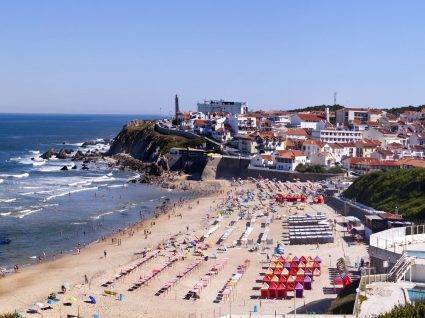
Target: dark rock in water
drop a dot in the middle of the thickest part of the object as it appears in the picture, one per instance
(32, 158)
(74, 167)
(79, 155)
(155, 169)
(84, 167)
(64, 168)
(68, 151)
(5, 241)
(49, 154)
(62, 154)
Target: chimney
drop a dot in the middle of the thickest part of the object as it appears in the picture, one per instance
(327, 114)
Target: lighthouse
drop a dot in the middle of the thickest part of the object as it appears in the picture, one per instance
(177, 110)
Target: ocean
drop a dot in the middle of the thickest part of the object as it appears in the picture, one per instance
(46, 211)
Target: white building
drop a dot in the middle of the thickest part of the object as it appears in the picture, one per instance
(305, 120)
(288, 160)
(212, 106)
(336, 135)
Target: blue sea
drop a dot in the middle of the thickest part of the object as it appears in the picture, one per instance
(46, 211)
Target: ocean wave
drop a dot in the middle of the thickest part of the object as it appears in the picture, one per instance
(5, 213)
(17, 176)
(97, 217)
(15, 159)
(1, 180)
(117, 186)
(68, 192)
(34, 152)
(104, 178)
(8, 200)
(37, 163)
(23, 213)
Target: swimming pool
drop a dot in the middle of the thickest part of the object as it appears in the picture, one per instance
(416, 294)
(418, 254)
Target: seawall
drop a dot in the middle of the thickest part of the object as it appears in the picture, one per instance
(228, 167)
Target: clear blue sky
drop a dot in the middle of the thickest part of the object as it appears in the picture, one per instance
(133, 56)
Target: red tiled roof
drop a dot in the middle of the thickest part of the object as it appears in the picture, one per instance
(297, 132)
(290, 154)
(309, 117)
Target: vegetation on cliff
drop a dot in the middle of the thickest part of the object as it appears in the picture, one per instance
(140, 140)
(317, 169)
(318, 108)
(391, 190)
(416, 310)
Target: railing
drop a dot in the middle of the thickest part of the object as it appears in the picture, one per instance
(364, 280)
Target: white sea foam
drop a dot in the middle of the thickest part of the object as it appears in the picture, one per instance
(97, 217)
(5, 213)
(117, 186)
(17, 176)
(34, 152)
(26, 212)
(1, 180)
(15, 159)
(8, 200)
(68, 192)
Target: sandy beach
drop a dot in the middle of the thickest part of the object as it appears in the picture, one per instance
(129, 250)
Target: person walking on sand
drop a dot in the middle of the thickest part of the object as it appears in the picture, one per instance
(86, 279)
(104, 253)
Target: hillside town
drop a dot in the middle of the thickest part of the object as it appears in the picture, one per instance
(357, 140)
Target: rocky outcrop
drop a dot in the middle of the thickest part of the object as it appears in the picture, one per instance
(140, 140)
(49, 154)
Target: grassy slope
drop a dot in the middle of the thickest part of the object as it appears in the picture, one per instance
(386, 190)
(135, 133)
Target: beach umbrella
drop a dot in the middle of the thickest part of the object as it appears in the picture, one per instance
(281, 291)
(291, 279)
(273, 290)
(282, 259)
(310, 259)
(287, 265)
(275, 279)
(277, 271)
(266, 279)
(265, 291)
(40, 305)
(301, 265)
(283, 279)
(299, 279)
(299, 290)
(318, 259)
(92, 299)
(307, 282)
(294, 264)
(316, 272)
(295, 259)
(346, 280)
(269, 272)
(300, 271)
(290, 286)
(293, 271)
(279, 265)
(316, 265)
(303, 259)
(289, 258)
(338, 280)
(309, 264)
(285, 271)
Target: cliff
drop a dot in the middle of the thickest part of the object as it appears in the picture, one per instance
(401, 189)
(140, 140)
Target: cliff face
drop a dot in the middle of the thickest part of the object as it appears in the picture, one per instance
(140, 140)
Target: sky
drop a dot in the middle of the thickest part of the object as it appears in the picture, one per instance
(132, 57)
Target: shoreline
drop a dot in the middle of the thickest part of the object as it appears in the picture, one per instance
(187, 194)
(115, 239)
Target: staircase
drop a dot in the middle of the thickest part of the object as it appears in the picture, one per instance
(400, 268)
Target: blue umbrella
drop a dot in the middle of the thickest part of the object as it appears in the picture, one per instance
(92, 299)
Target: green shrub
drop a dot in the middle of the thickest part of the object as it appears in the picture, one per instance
(411, 311)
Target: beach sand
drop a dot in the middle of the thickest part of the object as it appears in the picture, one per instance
(33, 284)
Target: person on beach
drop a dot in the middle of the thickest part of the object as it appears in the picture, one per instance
(86, 279)
(104, 253)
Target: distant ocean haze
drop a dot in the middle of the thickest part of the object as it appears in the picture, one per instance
(46, 210)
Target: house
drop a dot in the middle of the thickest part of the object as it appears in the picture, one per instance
(288, 160)
(337, 135)
(307, 120)
(262, 161)
(364, 148)
(311, 147)
(296, 134)
(346, 115)
(366, 165)
(412, 163)
(246, 144)
(382, 154)
(384, 135)
(325, 159)
(280, 118)
(242, 123)
(221, 134)
(267, 142)
(417, 139)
